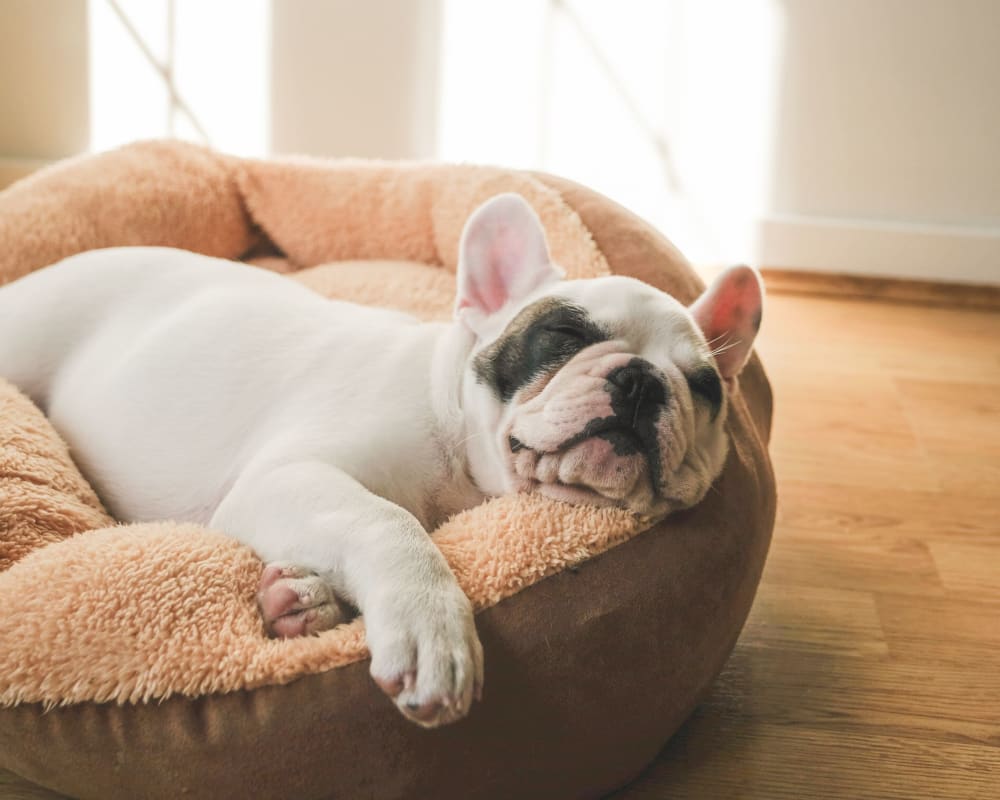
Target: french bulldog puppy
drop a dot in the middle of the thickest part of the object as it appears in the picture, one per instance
(330, 437)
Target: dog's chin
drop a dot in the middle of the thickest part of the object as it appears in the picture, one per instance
(576, 495)
(593, 471)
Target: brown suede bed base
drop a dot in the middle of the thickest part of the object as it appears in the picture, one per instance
(588, 671)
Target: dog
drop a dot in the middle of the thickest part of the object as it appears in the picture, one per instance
(330, 437)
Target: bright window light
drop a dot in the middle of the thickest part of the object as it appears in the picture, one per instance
(217, 57)
(667, 107)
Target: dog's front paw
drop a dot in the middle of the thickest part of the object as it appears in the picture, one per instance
(295, 601)
(426, 654)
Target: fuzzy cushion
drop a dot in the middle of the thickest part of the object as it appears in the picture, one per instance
(100, 622)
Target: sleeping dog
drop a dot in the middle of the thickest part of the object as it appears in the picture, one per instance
(330, 437)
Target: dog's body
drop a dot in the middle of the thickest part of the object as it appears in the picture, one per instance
(183, 373)
(330, 437)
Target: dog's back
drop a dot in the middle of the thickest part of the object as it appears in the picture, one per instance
(167, 371)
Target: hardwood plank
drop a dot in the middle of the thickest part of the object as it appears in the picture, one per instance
(860, 563)
(954, 411)
(780, 761)
(873, 696)
(812, 507)
(970, 570)
(854, 435)
(931, 630)
(840, 621)
(958, 424)
(861, 338)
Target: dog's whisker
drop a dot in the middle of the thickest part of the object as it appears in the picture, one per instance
(469, 438)
(720, 336)
(726, 346)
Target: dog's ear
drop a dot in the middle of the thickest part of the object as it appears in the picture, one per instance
(728, 313)
(502, 259)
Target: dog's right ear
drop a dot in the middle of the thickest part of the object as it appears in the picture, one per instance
(502, 258)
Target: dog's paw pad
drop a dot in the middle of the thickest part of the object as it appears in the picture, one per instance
(397, 684)
(294, 601)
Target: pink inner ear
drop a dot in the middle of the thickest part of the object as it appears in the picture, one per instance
(489, 289)
(729, 314)
(738, 308)
(507, 255)
(503, 257)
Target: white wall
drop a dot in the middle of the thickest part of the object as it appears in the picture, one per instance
(886, 154)
(837, 135)
(354, 78)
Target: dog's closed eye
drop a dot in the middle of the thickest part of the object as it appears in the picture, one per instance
(569, 331)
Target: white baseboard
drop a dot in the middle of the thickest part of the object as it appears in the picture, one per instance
(854, 247)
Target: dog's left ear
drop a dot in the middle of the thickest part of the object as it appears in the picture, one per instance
(502, 258)
(728, 313)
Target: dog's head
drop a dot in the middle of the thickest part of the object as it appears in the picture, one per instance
(603, 391)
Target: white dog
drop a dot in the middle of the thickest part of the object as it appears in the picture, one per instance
(331, 437)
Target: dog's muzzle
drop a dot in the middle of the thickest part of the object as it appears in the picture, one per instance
(637, 397)
(614, 453)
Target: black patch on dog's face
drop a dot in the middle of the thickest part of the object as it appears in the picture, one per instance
(706, 383)
(542, 337)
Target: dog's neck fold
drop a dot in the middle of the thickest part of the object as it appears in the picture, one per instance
(460, 429)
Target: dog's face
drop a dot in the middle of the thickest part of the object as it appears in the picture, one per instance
(603, 391)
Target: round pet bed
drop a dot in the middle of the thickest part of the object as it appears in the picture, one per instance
(133, 662)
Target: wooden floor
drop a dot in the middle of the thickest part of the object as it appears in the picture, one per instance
(870, 666)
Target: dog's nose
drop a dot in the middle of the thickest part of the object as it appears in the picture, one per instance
(628, 381)
(633, 388)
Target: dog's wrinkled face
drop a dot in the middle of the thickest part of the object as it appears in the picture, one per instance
(603, 391)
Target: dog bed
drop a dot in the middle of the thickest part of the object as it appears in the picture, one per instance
(133, 662)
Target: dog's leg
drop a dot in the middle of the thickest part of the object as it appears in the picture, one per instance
(375, 555)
